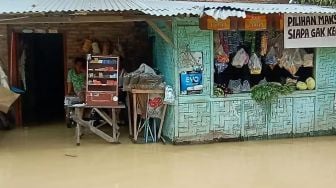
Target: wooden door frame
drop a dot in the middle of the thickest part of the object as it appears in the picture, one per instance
(13, 70)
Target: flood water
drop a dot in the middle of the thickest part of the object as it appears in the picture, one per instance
(46, 157)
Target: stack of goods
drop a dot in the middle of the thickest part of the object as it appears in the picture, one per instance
(243, 60)
(94, 47)
(143, 78)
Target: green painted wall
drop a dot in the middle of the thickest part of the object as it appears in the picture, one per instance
(164, 61)
(201, 118)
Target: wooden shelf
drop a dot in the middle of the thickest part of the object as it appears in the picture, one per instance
(157, 91)
(105, 85)
(100, 85)
(102, 78)
(103, 71)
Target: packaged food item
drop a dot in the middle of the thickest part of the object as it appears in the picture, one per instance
(169, 95)
(308, 60)
(264, 43)
(235, 86)
(95, 48)
(246, 86)
(271, 57)
(106, 48)
(87, 46)
(297, 60)
(240, 59)
(255, 64)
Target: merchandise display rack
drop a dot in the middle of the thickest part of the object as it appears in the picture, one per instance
(102, 80)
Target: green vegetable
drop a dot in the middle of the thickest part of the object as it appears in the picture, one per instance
(301, 86)
(310, 83)
(269, 92)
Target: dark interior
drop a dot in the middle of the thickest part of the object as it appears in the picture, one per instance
(43, 98)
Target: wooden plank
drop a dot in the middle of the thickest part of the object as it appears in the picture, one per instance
(158, 91)
(161, 33)
(135, 116)
(129, 114)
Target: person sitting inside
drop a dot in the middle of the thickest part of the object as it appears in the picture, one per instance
(76, 78)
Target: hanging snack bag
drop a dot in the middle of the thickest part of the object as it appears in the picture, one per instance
(87, 46)
(270, 57)
(106, 48)
(264, 41)
(235, 86)
(290, 66)
(255, 64)
(246, 86)
(221, 67)
(240, 59)
(95, 48)
(297, 60)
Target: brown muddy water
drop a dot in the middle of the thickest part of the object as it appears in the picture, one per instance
(46, 157)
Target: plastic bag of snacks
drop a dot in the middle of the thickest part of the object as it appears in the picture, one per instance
(235, 86)
(308, 60)
(246, 86)
(87, 46)
(95, 48)
(106, 48)
(271, 57)
(221, 67)
(169, 95)
(240, 59)
(297, 60)
(255, 64)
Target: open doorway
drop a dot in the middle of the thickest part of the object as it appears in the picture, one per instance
(43, 78)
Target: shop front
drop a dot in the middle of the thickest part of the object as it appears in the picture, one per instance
(226, 99)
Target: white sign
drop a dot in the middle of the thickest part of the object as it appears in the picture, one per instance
(309, 30)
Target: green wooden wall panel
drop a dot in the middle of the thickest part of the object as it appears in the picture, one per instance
(194, 119)
(255, 124)
(304, 115)
(325, 112)
(227, 118)
(164, 61)
(281, 120)
(191, 38)
(326, 68)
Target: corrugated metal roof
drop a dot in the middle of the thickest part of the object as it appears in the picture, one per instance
(272, 8)
(219, 10)
(38, 6)
(156, 7)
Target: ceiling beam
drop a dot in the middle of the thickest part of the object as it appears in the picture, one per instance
(160, 32)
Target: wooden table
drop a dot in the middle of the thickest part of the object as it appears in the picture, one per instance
(77, 116)
(135, 93)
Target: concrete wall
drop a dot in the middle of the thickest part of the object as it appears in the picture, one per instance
(201, 118)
